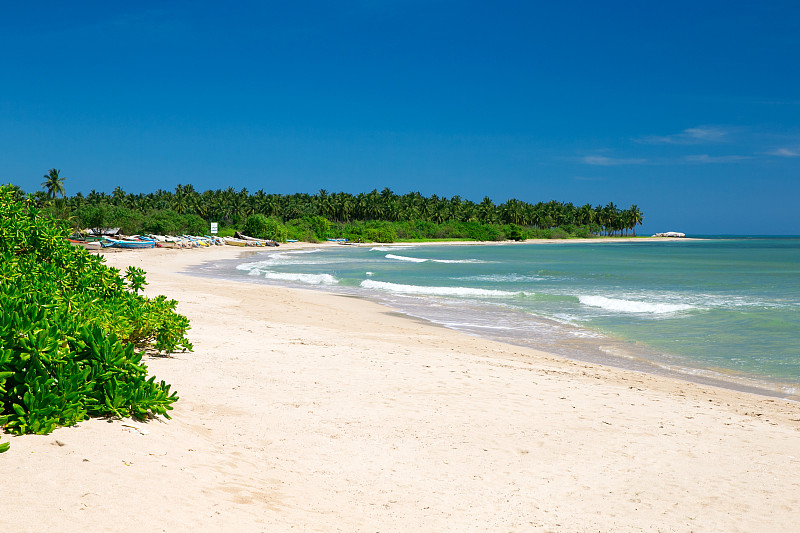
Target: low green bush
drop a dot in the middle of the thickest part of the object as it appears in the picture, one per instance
(300, 229)
(168, 222)
(384, 234)
(263, 227)
(513, 232)
(73, 330)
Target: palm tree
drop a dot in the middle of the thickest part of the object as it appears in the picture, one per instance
(486, 210)
(636, 217)
(53, 184)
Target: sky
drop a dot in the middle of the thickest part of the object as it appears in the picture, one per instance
(690, 110)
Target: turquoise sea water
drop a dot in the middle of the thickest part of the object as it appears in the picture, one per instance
(713, 309)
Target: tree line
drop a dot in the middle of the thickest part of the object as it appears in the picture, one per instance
(232, 208)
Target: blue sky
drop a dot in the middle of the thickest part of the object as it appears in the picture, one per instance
(691, 110)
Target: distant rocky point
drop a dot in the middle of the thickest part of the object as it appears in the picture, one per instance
(670, 234)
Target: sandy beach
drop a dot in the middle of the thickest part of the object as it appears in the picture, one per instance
(307, 411)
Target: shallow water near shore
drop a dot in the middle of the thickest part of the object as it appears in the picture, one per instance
(722, 311)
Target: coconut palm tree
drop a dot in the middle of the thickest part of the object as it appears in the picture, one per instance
(53, 184)
(636, 217)
(486, 211)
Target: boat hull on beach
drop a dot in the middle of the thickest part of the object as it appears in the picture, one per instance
(230, 241)
(89, 245)
(130, 244)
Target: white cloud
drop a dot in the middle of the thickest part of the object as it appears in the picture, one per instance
(697, 135)
(601, 160)
(785, 152)
(705, 158)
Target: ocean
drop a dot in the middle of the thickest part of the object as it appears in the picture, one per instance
(724, 311)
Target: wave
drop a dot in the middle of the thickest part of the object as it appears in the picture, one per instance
(404, 258)
(301, 258)
(311, 279)
(502, 278)
(388, 248)
(434, 291)
(458, 261)
(252, 266)
(421, 260)
(629, 306)
(253, 269)
(470, 325)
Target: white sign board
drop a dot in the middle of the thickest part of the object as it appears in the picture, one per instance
(213, 228)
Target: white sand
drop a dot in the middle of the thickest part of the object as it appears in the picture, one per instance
(305, 411)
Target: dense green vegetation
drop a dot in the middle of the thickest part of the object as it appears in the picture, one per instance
(376, 216)
(73, 330)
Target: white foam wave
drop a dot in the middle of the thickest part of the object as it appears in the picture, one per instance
(303, 257)
(433, 291)
(502, 278)
(629, 306)
(388, 248)
(311, 279)
(298, 252)
(404, 258)
(421, 260)
(252, 266)
(457, 261)
(470, 325)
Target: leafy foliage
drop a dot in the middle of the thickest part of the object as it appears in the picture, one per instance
(263, 227)
(72, 329)
(229, 207)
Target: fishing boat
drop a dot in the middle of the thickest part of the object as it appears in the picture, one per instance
(235, 242)
(253, 241)
(89, 245)
(131, 244)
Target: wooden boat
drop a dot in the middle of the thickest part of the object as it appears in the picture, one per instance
(235, 242)
(131, 244)
(197, 241)
(89, 245)
(253, 241)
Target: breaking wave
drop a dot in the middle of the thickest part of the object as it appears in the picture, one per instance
(311, 279)
(434, 291)
(404, 258)
(421, 260)
(629, 306)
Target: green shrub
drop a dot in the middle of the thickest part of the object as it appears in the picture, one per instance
(93, 216)
(381, 234)
(168, 222)
(319, 225)
(513, 232)
(127, 220)
(483, 232)
(72, 330)
(301, 230)
(263, 227)
(582, 232)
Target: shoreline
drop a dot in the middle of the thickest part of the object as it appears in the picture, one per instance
(647, 361)
(316, 411)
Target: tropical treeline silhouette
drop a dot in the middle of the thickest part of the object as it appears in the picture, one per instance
(186, 209)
